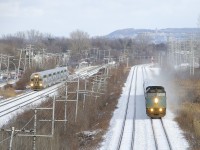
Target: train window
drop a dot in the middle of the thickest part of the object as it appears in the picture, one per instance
(58, 72)
(44, 76)
(152, 91)
(54, 73)
(160, 94)
(160, 90)
(49, 74)
(32, 79)
(151, 94)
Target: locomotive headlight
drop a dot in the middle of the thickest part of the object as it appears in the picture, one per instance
(151, 110)
(160, 109)
(36, 76)
(40, 84)
(31, 84)
(156, 100)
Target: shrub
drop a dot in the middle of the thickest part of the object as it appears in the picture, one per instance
(24, 81)
(8, 92)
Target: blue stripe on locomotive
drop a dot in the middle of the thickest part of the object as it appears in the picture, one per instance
(161, 103)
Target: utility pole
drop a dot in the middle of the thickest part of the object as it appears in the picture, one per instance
(191, 56)
(43, 52)
(35, 128)
(34, 131)
(20, 57)
(14, 132)
(8, 65)
(1, 61)
(29, 51)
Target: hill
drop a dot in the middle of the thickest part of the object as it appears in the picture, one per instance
(157, 35)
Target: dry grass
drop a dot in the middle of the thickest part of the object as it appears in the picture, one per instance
(95, 116)
(8, 92)
(188, 113)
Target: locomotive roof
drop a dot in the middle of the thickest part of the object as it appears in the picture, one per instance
(45, 72)
(155, 87)
(152, 84)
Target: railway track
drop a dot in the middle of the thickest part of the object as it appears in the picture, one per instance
(124, 126)
(126, 142)
(131, 128)
(10, 106)
(160, 135)
(25, 100)
(15, 99)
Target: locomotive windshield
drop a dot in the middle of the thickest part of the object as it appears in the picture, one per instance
(158, 90)
(153, 89)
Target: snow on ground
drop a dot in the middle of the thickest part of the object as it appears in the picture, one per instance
(174, 132)
(116, 122)
(89, 133)
(129, 126)
(143, 135)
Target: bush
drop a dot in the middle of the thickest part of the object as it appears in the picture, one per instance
(24, 81)
(188, 110)
(8, 92)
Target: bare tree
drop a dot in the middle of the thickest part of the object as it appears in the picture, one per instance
(79, 41)
(143, 44)
(34, 36)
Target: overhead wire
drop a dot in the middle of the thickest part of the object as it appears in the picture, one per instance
(19, 130)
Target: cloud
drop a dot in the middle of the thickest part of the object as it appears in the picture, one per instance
(16, 8)
(9, 8)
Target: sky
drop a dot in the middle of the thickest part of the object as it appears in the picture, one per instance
(96, 17)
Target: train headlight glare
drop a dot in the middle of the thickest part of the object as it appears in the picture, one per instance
(151, 109)
(36, 76)
(160, 109)
(31, 84)
(40, 84)
(156, 100)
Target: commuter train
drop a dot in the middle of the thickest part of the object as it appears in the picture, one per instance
(43, 79)
(155, 98)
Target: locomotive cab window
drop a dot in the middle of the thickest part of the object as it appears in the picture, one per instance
(155, 89)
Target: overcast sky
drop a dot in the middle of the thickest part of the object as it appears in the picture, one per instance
(96, 17)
